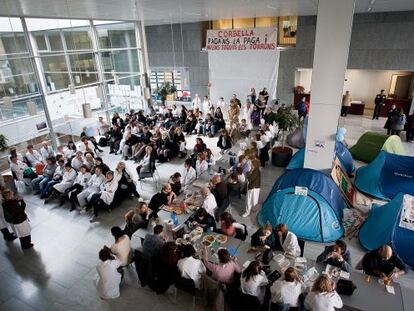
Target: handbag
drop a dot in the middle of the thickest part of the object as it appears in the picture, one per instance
(345, 287)
(27, 172)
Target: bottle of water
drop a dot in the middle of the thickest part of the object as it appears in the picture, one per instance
(174, 218)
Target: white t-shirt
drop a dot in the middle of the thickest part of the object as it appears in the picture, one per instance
(323, 301)
(122, 249)
(287, 292)
(109, 279)
(255, 286)
(192, 268)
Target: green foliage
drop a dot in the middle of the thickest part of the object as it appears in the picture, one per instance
(286, 121)
(3, 142)
(166, 89)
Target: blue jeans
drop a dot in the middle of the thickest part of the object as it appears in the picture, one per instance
(40, 183)
(49, 186)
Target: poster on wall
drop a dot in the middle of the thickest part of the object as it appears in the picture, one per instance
(407, 213)
(250, 39)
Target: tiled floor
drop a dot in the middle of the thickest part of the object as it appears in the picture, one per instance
(59, 273)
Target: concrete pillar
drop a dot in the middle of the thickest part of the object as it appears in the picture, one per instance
(333, 36)
(87, 111)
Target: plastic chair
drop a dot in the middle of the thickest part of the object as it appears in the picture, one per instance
(152, 173)
(185, 285)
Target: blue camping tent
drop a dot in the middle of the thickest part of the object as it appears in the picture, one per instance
(341, 151)
(386, 176)
(316, 216)
(383, 227)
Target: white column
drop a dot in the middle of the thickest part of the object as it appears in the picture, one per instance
(333, 36)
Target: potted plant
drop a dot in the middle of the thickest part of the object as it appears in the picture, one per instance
(164, 90)
(3, 143)
(286, 121)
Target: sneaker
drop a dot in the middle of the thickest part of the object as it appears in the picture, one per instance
(245, 215)
(93, 219)
(83, 211)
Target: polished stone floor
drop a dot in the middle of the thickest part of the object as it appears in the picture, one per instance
(59, 273)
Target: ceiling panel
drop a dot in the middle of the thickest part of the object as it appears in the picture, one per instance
(166, 11)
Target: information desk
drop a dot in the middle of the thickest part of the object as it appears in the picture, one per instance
(368, 296)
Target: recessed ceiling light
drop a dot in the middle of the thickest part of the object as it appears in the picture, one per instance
(372, 2)
(369, 9)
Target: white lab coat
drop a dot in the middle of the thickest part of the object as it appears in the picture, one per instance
(201, 167)
(84, 147)
(34, 158)
(246, 114)
(191, 268)
(255, 286)
(210, 204)
(46, 153)
(68, 179)
(291, 245)
(323, 301)
(18, 168)
(76, 163)
(188, 177)
(94, 185)
(108, 191)
(206, 106)
(109, 279)
(196, 103)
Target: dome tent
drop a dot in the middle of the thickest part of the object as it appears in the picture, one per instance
(383, 227)
(341, 152)
(370, 144)
(316, 216)
(386, 176)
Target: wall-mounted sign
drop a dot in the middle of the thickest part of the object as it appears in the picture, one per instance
(252, 39)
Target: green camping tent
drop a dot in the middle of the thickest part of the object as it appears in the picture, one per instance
(370, 144)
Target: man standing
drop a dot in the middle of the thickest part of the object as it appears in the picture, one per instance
(379, 102)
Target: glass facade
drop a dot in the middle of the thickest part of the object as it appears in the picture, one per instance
(65, 63)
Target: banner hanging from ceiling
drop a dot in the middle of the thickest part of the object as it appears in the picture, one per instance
(251, 39)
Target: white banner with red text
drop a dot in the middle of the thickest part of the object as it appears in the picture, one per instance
(252, 39)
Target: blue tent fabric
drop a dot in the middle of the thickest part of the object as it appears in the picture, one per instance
(397, 175)
(341, 151)
(402, 242)
(315, 217)
(386, 176)
(382, 227)
(367, 177)
(377, 228)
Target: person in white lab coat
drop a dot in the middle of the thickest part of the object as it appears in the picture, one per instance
(288, 240)
(254, 281)
(286, 291)
(60, 189)
(191, 268)
(206, 105)
(94, 185)
(46, 151)
(189, 174)
(209, 203)
(109, 278)
(246, 113)
(196, 102)
(323, 296)
(33, 156)
(104, 197)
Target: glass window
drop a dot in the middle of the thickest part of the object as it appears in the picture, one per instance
(287, 30)
(263, 22)
(239, 23)
(55, 41)
(120, 61)
(11, 36)
(223, 24)
(56, 72)
(83, 68)
(119, 35)
(41, 42)
(78, 39)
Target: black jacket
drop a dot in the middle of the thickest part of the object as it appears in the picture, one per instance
(373, 261)
(220, 142)
(14, 211)
(220, 192)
